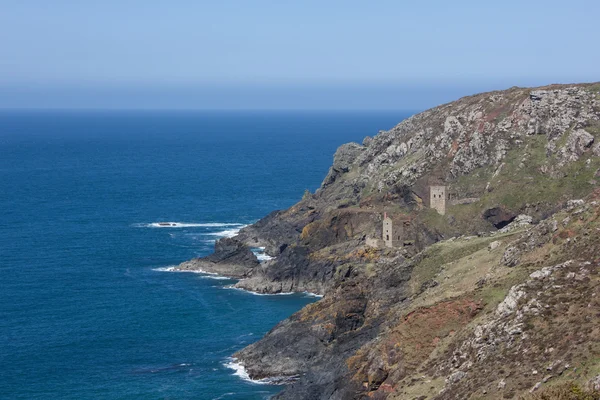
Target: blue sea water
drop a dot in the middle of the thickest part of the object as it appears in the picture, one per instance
(86, 308)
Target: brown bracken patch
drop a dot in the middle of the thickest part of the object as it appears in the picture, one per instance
(410, 342)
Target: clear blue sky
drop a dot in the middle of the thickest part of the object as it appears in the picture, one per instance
(284, 54)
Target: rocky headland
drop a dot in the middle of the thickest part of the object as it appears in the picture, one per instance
(499, 297)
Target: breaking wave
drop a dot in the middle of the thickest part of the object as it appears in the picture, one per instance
(228, 233)
(307, 294)
(240, 371)
(169, 224)
(204, 274)
(256, 293)
(260, 254)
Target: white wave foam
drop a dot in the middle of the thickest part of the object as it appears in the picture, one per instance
(310, 294)
(264, 257)
(307, 294)
(221, 397)
(217, 277)
(204, 274)
(256, 293)
(214, 275)
(228, 233)
(169, 224)
(240, 371)
(260, 254)
(165, 269)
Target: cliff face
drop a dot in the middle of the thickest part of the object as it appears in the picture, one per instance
(495, 297)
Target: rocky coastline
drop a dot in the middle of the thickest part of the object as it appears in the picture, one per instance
(458, 298)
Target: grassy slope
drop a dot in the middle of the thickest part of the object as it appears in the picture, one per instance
(468, 270)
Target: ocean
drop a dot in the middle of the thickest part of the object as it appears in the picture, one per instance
(88, 309)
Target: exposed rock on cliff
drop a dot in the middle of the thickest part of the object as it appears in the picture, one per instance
(231, 258)
(478, 302)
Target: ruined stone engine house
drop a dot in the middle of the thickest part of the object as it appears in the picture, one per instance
(437, 198)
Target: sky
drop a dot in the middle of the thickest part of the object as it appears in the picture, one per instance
(263, 54)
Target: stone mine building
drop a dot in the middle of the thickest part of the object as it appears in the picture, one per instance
(393, 228)
(437, 198)
(393, 232)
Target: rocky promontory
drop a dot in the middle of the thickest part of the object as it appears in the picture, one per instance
(495, 297)
(231, 258)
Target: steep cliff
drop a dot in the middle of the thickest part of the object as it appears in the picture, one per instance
(496, 297)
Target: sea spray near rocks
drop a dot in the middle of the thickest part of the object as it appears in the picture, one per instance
(240, 371)
(203, 274)
(306, 294)
(167, 224)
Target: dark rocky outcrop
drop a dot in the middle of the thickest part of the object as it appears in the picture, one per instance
(499, 216)
(291, 271)
(315, 343)
(231, 258)
(343, 160)
(273, 232)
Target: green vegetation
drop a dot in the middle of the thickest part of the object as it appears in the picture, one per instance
(448, 251)
(563, 139)
(441, 254)
(565, 391)
(593, 127)
(463, 265)
(594, 88)
(521, 180)
(434, 220)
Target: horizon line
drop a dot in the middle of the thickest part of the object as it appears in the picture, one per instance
(150, 109)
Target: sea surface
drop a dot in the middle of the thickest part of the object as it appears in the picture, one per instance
(88, 309)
